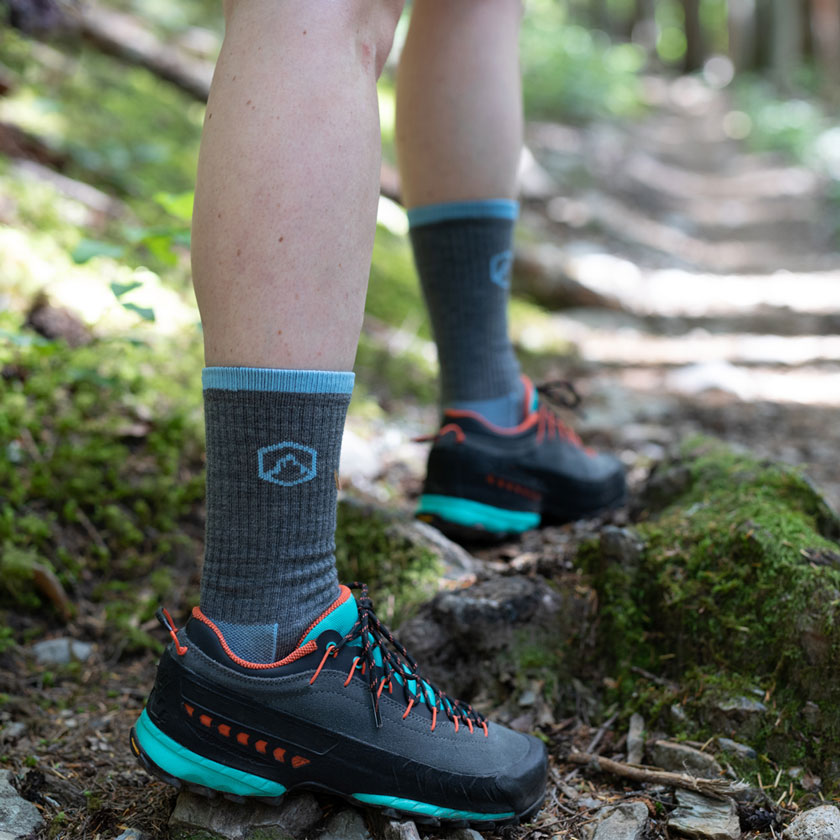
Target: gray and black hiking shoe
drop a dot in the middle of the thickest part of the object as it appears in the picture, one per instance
(487, 482)
(346, 713)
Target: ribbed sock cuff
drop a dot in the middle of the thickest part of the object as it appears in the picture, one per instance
(490, 208)
(278, 380)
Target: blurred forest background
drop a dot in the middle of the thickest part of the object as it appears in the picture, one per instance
(677, 256)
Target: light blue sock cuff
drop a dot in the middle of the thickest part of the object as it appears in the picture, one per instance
(491, 208)
(271, 379)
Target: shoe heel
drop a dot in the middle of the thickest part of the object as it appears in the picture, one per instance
(167, 759)
(476, 518)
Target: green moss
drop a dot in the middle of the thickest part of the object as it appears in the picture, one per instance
(394, 295)
(370, 548)
(104, 465)
(738, 586)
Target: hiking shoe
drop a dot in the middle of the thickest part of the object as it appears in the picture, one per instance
(346, 712)
(484, 481)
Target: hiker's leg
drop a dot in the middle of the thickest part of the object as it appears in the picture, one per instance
(283, 229)
(459, 136)
(459, 132)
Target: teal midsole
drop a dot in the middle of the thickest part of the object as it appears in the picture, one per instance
(413, 807)
(184, 764)
(472, 514)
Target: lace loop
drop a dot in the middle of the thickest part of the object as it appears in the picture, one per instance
(561, 393)
(397, 665)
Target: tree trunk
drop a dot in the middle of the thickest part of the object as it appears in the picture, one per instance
(742, 21)
(694, 49)
(126, 38)
(786, 41)
(825, 32)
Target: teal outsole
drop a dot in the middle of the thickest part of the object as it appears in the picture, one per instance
(392, 807)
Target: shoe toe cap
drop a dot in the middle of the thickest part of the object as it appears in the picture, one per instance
(523, 782)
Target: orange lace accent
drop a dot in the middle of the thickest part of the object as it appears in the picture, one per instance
(394, 665)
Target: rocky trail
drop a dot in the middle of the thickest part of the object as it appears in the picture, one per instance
(699, 285)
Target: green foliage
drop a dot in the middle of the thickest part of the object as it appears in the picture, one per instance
(571, 73)
(394, 295)
(126, 130)
(780, 125)
(103, 449)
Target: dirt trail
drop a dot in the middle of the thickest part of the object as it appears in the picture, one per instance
(724, 273)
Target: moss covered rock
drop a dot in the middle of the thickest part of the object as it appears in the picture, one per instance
(730, 588)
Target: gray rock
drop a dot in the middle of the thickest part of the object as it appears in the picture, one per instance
(678, 714)
(132, 834)
(738, 716)
(12, 731)
(588, 803)
(458, 564)
(394, 830)
(703, 818)
(464, 834)
(636, 739)
(18, 818)
(61, 651)
(679, 758)
(621, 545)
(622, 822)
(527, 698)
(345, 825)
(741, 751)
(812, 714)
(226, 820)
(821, 823)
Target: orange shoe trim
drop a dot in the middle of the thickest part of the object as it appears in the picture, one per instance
(530, 420)
(297, 653)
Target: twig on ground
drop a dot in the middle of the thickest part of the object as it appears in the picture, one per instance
(602, 730)
(711, 787)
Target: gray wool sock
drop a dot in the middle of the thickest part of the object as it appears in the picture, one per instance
(273, 446)
(464, 252)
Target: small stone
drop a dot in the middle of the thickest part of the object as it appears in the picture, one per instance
(464, 834)
(742, 705)
(394, 830)
(12, 731)
(345, 825)
(703, 818)
(621, 545)
(226, 820)
(528, 698)
(636, 739)
(741, 751)
(61, 651)
(622, 822)
(821, 823)
(131, 834)
(740, 716)
(810, 782)
(588, 803)
(678, 714)
(679, 758)
(811, 713)
(18, 818)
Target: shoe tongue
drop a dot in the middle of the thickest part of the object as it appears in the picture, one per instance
(531, 400)
(339, 617)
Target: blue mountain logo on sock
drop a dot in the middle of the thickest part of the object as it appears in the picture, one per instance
(500, 266)
(287, 463)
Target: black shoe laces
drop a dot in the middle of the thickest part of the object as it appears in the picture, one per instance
(560, 393)
(399, 668)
